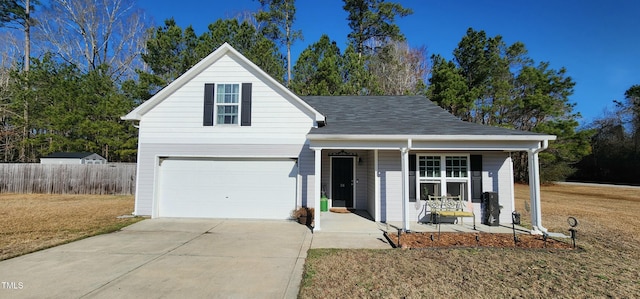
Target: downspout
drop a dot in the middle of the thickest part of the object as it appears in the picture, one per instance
(534, 185)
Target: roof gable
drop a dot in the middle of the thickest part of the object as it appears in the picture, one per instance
(224, 50)
(400, 116)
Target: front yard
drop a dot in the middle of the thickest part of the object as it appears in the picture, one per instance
(31, 222)
(606, 266)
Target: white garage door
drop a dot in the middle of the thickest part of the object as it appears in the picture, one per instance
(221, 188)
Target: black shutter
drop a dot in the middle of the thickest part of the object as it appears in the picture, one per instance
(412, 162)
(209, 94)
(476, 178)
(412, 178)
(476, 162)
(245, 109)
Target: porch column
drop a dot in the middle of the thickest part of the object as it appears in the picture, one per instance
(405, 188)
(317, 188)
(378, 206)
(534, 193)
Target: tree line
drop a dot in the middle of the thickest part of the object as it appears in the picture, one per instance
(93, 66)
(615, 144)
(61, 82)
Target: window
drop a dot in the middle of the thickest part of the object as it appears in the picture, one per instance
(457, 188)
(452, 179)
(429, 188)
(456, 167)
(429, 166)
(227, 103)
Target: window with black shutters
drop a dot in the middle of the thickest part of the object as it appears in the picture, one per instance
(227, 104)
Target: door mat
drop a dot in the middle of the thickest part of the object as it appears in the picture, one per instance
(341, 210)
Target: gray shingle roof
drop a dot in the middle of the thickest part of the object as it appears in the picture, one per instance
(393, 115)
(69, 155)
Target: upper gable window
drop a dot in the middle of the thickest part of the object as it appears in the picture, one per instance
(227, 103)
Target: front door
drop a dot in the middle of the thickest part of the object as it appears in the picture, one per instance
(342, 182)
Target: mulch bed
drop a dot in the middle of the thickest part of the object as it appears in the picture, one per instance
(449, 240)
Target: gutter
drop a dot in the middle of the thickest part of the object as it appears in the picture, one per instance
(539, 228)
(545, 145)
(135, 121)
(434, 137)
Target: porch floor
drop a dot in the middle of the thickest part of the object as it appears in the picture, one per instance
(360, 221)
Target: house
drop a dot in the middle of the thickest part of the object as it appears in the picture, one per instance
(225, 140)
(73, 158)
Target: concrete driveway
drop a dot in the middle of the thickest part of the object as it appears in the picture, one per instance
(168, 258)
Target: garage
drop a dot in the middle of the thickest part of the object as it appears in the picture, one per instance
(226, 188)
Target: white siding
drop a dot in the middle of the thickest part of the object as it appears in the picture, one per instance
(371, 185)
(178, 119)
(361, 180)
(306, 168)
(390, 173)
(417, 212)
(174, 127)
(496, 177)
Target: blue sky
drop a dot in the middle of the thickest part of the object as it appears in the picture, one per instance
(598, 42)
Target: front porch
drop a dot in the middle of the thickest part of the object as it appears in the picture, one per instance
(391, 186)
(389, 179)
(359, 221)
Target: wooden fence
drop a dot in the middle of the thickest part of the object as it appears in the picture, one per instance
(116, 178)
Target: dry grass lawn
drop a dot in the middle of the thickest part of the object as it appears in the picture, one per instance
(607, 266)
(31, 222)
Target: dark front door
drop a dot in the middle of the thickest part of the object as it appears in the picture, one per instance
(342, 182)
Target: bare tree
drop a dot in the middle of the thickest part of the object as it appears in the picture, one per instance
(10, 53)
(10, 56)
(16, 14)
(247, 16)
(10, 50)
(90, 33)
(399, 69)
